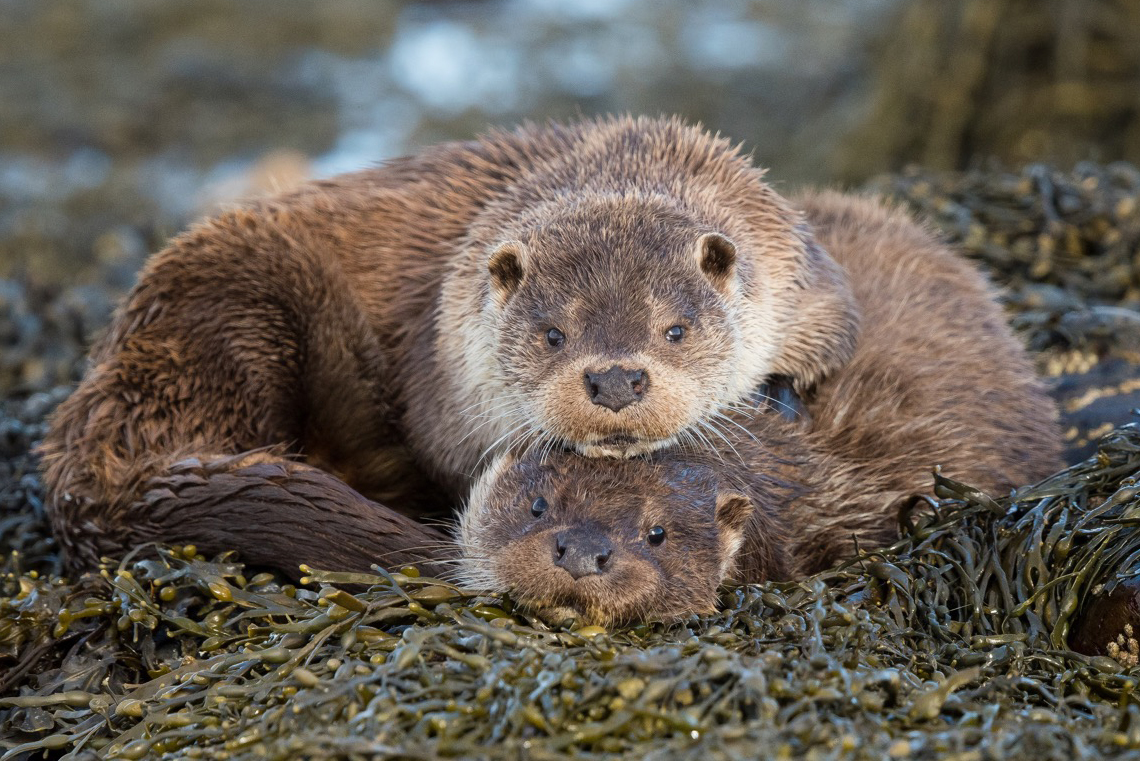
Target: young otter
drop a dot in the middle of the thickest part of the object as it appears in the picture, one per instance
(289, 377)
(936, 379)
(624, 540)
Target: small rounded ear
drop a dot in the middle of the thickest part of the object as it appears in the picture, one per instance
(506, 267)
(717, 257)
(733, 510)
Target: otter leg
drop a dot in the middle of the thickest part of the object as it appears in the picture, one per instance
(241, 348)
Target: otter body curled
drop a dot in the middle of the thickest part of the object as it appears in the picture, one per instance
(297, 377)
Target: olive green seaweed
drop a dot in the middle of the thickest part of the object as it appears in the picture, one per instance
(953, 640)
(950, 644)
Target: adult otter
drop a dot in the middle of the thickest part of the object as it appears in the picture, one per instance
(936, 378)
(292, 378)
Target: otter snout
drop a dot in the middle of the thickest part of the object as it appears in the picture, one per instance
(617, 387)
(582, 551)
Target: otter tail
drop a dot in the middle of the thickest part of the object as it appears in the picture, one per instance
(281, 513)
(275, 512)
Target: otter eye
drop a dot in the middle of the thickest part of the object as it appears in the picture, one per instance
(538, 507)
(655, 536)
(674, 334)
(555, 338)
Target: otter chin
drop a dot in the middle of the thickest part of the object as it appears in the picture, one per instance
(621, 446)
(642, 539)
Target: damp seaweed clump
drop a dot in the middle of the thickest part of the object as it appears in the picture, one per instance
(1060, 236)
(956, 642)
(951, 641)
(1063, 246)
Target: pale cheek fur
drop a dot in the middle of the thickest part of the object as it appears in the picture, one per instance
(476, 567)
(477, 405)
(759, 327)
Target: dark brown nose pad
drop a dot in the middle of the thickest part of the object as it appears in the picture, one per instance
(617, 388)
(582, 553)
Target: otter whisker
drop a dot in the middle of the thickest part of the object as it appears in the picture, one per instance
(458, 563)
(502, 413)
(492, 448)
(548, 447)
(476, 576)
(717, 415)
(710, 425)
(791, 410)
(532, 438)
(439, 522)
(509, 414)
(682, 440)
(452, 550)
(509, 407)
(467, 563)
(744, 409)
(706, 444)
(687, 440)
(493, 402)
(706, 428)
(380, 556)
(470, 570)
(420, 547)
(491, 406)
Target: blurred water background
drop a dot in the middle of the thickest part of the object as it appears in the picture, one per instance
(121, 120)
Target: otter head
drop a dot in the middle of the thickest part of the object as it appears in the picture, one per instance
(602, 542)
(616, 319)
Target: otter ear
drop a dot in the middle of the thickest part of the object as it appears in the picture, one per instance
(506, 267)
(825, 320)
(717, 256)
(733, 510)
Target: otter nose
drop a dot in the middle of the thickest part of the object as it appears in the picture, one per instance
(582, 553)
(617, 388)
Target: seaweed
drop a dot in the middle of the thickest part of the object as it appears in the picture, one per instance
(951, 640)
(955, 642)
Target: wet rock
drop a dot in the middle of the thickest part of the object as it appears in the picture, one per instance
(1110, 625)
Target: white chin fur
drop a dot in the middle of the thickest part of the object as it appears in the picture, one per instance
(622, 453)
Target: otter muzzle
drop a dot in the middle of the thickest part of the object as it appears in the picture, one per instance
(617, 387)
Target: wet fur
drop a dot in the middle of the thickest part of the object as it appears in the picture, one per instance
(335, 359)
(689, 494)
(936, 379)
